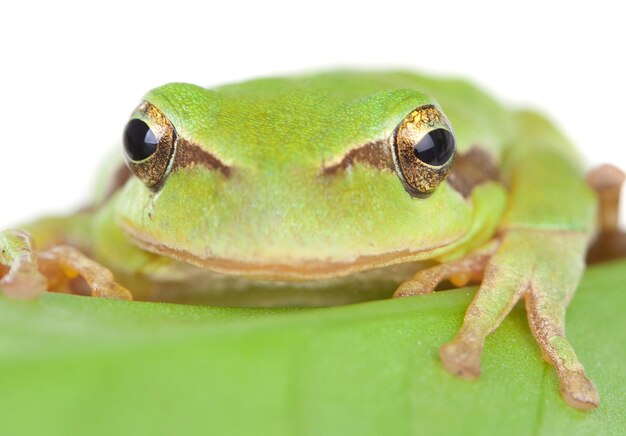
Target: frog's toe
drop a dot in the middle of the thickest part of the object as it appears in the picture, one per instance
(547, 321)
(113, 291)
(23, 283)
(63, 264)
(460, 272)
(578, 391)
(461, 358)
(610, 243)
(19, 273)
(501, 288)
(419, 285)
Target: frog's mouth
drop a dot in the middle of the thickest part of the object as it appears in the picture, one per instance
(296, 270)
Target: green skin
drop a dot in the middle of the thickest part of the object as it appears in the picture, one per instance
(277, 219)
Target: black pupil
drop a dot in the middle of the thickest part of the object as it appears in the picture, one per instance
(139, 141)
(435, 148)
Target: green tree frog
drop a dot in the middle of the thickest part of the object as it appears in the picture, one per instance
(327, 188)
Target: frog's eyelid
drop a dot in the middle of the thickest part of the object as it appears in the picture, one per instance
(376, 154)
(189, 154)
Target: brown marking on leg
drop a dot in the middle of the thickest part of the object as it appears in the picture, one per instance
(547, 322)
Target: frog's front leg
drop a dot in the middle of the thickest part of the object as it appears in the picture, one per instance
(62, 264)
(543, 267)
(26, 274)
(459, 272)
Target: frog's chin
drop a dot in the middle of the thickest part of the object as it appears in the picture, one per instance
(292, 270)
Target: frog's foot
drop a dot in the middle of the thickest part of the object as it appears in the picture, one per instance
(19, 272)
(459, 272)
(24, 274)
(544, 268)
(63, 264)
(607, 181)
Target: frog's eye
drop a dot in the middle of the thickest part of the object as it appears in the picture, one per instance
(140, 142)
(424, 148)
(149, 145)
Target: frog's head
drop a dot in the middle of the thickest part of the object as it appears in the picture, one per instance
(291, 178)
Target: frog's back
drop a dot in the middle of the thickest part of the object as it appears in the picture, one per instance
(477, 118)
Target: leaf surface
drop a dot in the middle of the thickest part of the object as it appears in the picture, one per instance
(75, 365)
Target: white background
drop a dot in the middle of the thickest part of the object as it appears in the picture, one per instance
(72, 72)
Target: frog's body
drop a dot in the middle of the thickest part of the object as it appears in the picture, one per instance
(302, 180)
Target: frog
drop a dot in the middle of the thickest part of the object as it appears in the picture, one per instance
(332, 180)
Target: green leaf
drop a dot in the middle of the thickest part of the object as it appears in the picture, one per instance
(75, 365)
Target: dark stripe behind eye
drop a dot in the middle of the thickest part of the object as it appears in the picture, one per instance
(375, 154)
(189, 154)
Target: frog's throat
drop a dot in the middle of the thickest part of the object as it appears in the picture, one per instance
(297, 270)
